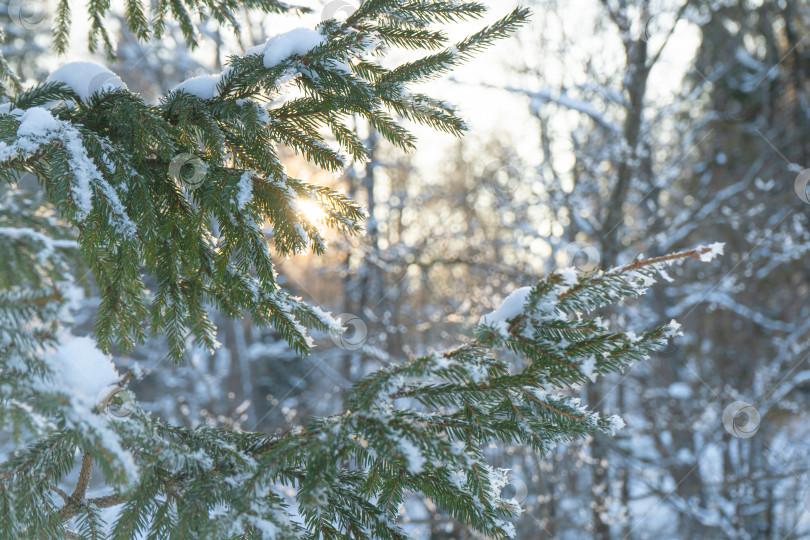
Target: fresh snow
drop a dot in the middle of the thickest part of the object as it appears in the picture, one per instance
(615, 424)
(82, 372)
(5, 108)
(87, 78)
(245, 189)
(459, 478)
(633, 337)
(569, 275)
(295, 42)
(326, 318)
(508, 528)
(673, 329)
(588, 368)
(37, 121)
(414, 458)
(714, 250)
(204, 86)
(498, 479)
(663, 274)
(79, 368)
(511, 307)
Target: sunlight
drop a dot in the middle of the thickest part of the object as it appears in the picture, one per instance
(312, 211)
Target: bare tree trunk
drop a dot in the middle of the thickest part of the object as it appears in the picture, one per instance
(611, 246)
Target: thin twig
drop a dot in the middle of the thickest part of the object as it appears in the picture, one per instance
(65, 496)
(107, 500)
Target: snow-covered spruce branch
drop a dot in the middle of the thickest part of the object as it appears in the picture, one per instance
(351, 471)
(113, 165)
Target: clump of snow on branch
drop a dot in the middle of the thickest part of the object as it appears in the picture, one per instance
(295, 42)
(615, 424)
(511, 307)
(334, 325)
(204, 86)
(588, 368)
(673, 329)
(273, 51)
(81, 372)
(87, 78)
(508, 528)
(80, 368)
(569, 275)
(49, 244)
(244, 189)
(413, 457)
(36, 122)
(711, 251)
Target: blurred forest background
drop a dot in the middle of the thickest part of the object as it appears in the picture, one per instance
(605, 129)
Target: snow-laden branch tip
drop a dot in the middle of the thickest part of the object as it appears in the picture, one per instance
(673, 329)
(295, 42)
(514, 304)
(702, 253)
(615, 424)
(708, 253)
(38, 128)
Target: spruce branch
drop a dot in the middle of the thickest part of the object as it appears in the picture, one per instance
(75, 500)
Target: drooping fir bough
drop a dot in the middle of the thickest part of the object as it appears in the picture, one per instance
(183, 191)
